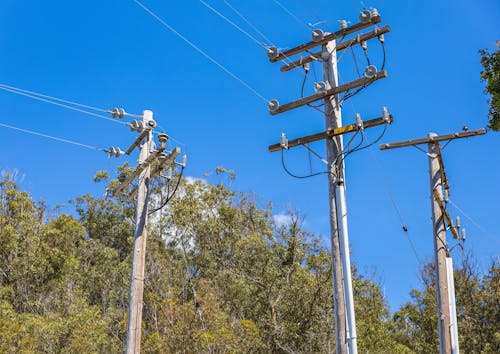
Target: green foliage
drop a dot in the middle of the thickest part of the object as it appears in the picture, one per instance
(478, 312)
(491, 74)
(221, 276)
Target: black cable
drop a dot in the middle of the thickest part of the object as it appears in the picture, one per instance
(169, 197)
(366, 56)
(383, 51)
(306, 73)
(294, 175)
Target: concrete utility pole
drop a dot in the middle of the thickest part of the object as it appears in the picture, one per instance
(445, 291)
(139, 248)
(147, 156)
(338, 212)
(328, 91)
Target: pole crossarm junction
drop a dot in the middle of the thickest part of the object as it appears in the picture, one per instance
(330, 133)
(141, 167)
(427, 140)
(275, 55)
(137, 141)
(446, 215)
(275, 108)
(165, 161)
(342, 45)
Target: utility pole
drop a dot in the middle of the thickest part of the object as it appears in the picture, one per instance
(328, 91)
(147, 157)
(139, 247)
(439, 192)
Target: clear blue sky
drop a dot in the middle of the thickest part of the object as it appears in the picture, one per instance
(112, 53)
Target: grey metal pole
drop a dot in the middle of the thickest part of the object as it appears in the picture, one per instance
(341, 269)
(440, 249)
(139, 249)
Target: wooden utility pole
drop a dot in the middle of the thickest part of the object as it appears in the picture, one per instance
(445, 292)
(142, 173)
(440, 247)
(328, 91)
(139, 248)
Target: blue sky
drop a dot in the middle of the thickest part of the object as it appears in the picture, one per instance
(112, 53)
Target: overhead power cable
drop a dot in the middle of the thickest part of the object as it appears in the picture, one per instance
(479, 227)
(54, 98)
(291, 14)
(247, 21)
(59, 104)
(72, 103)
(212, 60)
(211, 8)
(50, 137)
(384, 178)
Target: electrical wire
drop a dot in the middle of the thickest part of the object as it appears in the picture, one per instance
(73, 103)
(212, 60)
(291, 14)
(238, 13)
(479, 227)
(54, 98)
(61, 105)
(211, 8)
(397, 209)
(286, 59)
(50, 137)
(169, 197)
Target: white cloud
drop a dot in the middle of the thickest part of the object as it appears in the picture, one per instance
(192, 180)
(282, 219)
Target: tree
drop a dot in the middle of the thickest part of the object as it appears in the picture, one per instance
(478, 311)
(491, 74)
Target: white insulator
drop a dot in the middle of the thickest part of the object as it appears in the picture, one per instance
(365, 16)
(463, 235)
(385, 114)
(370, 71)
(272, 52)
(457, 222)
(283, 141)
(317, 35)
(359, 122)
(320, 87)
(184, 160)
(343, 24)
(446, 195)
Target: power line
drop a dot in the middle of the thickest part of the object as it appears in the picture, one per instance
(215, 62)
(479, 227)
(291, 14)
(395, 206)
(247, 21)
(73, 103)
(232, 24)
(59, 104)
(50, 137)
(55, 98)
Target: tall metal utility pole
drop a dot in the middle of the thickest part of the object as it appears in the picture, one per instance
(147, 156)
(338, 211)
(328, 91)
(445, 292)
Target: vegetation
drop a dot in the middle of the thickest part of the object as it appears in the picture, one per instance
(491, 74)
(222, 277)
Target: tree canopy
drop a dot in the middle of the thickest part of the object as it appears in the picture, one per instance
(222, 276)
(491, 75)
